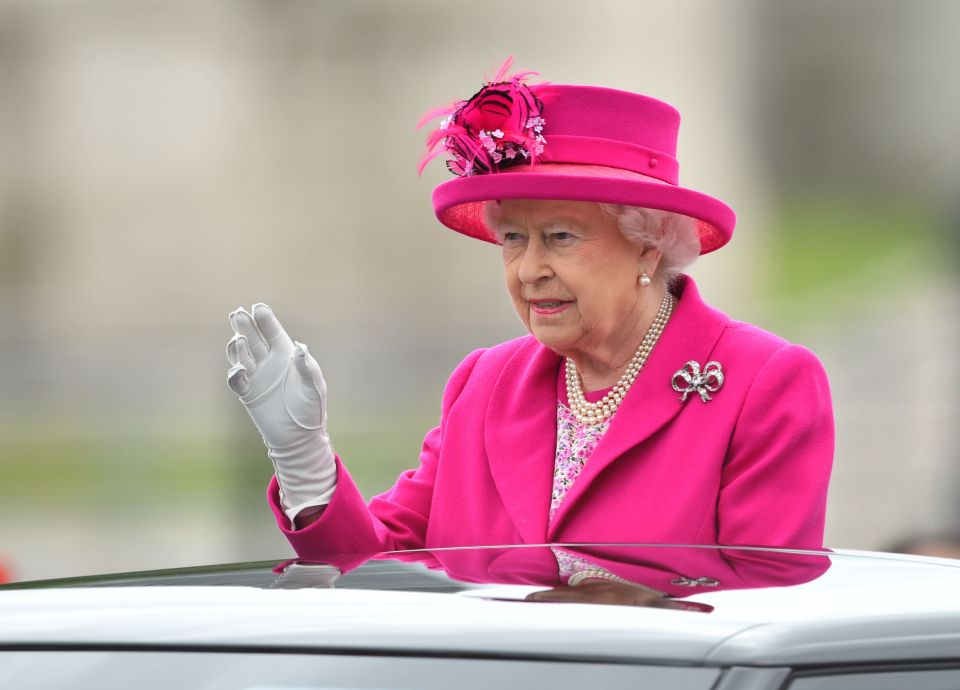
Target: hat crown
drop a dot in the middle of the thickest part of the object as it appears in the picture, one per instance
(591, 125)
(593, 111)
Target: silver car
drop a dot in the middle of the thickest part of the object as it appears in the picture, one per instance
(551, 616)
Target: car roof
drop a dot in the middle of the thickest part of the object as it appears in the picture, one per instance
(743, 607)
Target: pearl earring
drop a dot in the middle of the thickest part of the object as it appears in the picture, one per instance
(644, 280)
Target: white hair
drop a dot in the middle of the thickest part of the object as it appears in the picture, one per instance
(673, 235)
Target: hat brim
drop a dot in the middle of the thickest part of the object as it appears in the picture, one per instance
(459, 203)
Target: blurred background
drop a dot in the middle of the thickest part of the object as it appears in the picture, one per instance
(162, 163)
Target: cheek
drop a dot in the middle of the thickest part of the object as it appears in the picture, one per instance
(509, 275)
(513, 284)
(580, 284)
(603, 301)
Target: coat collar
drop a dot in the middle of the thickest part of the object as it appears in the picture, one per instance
(520, 424)
(520, 436)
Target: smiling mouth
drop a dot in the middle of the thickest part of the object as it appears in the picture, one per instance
(549, 306)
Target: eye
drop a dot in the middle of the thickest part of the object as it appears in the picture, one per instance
(561, 237)
(512, 237)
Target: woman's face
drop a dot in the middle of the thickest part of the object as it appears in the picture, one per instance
(572, 276)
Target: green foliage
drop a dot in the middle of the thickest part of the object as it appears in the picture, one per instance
(844, 246)
(129, 470)
(67, 469)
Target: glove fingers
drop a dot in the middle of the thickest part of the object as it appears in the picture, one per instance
(246, 357)
(237, 379)
(268, 323)
(243, 324)
(238, 352)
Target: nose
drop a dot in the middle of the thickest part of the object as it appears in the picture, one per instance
(534, 264)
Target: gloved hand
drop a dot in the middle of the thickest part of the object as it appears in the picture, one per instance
(280, 384)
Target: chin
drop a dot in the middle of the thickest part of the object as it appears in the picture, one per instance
(551, 338)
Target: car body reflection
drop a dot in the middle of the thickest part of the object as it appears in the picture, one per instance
(655, 576)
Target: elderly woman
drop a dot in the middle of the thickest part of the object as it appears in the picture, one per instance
(632, 412)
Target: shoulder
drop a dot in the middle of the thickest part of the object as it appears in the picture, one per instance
(492, 359)
(737, 344)
(498, 355)
(749, 343)
(484, 366)
(777, 370)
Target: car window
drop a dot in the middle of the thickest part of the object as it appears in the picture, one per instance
(880, 680)
(117, 670)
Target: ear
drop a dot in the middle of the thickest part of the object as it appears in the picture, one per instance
(649, 261)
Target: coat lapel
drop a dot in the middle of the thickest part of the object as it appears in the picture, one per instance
(520, 430)
(651, 402)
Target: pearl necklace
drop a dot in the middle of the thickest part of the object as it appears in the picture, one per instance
(602, 410)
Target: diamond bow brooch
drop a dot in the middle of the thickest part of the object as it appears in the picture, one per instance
(696, 381)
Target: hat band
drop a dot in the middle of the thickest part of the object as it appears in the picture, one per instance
(567, 148)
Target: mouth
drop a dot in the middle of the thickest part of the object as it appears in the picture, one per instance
(543, 306)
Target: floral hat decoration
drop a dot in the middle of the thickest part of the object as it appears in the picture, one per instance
(514, 140)
(499, 126)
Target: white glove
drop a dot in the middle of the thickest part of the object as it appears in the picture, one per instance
(281, 386)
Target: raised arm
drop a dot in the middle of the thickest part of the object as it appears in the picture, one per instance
(282, 388)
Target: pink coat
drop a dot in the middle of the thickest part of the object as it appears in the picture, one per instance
(749, 467)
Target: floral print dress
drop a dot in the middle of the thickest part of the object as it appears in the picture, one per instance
(575, 444)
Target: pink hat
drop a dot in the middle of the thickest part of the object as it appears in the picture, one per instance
(553, 141)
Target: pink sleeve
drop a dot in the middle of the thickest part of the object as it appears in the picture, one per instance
(773, 489)
(396, 519)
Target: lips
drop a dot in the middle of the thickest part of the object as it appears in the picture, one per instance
(546, 306)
